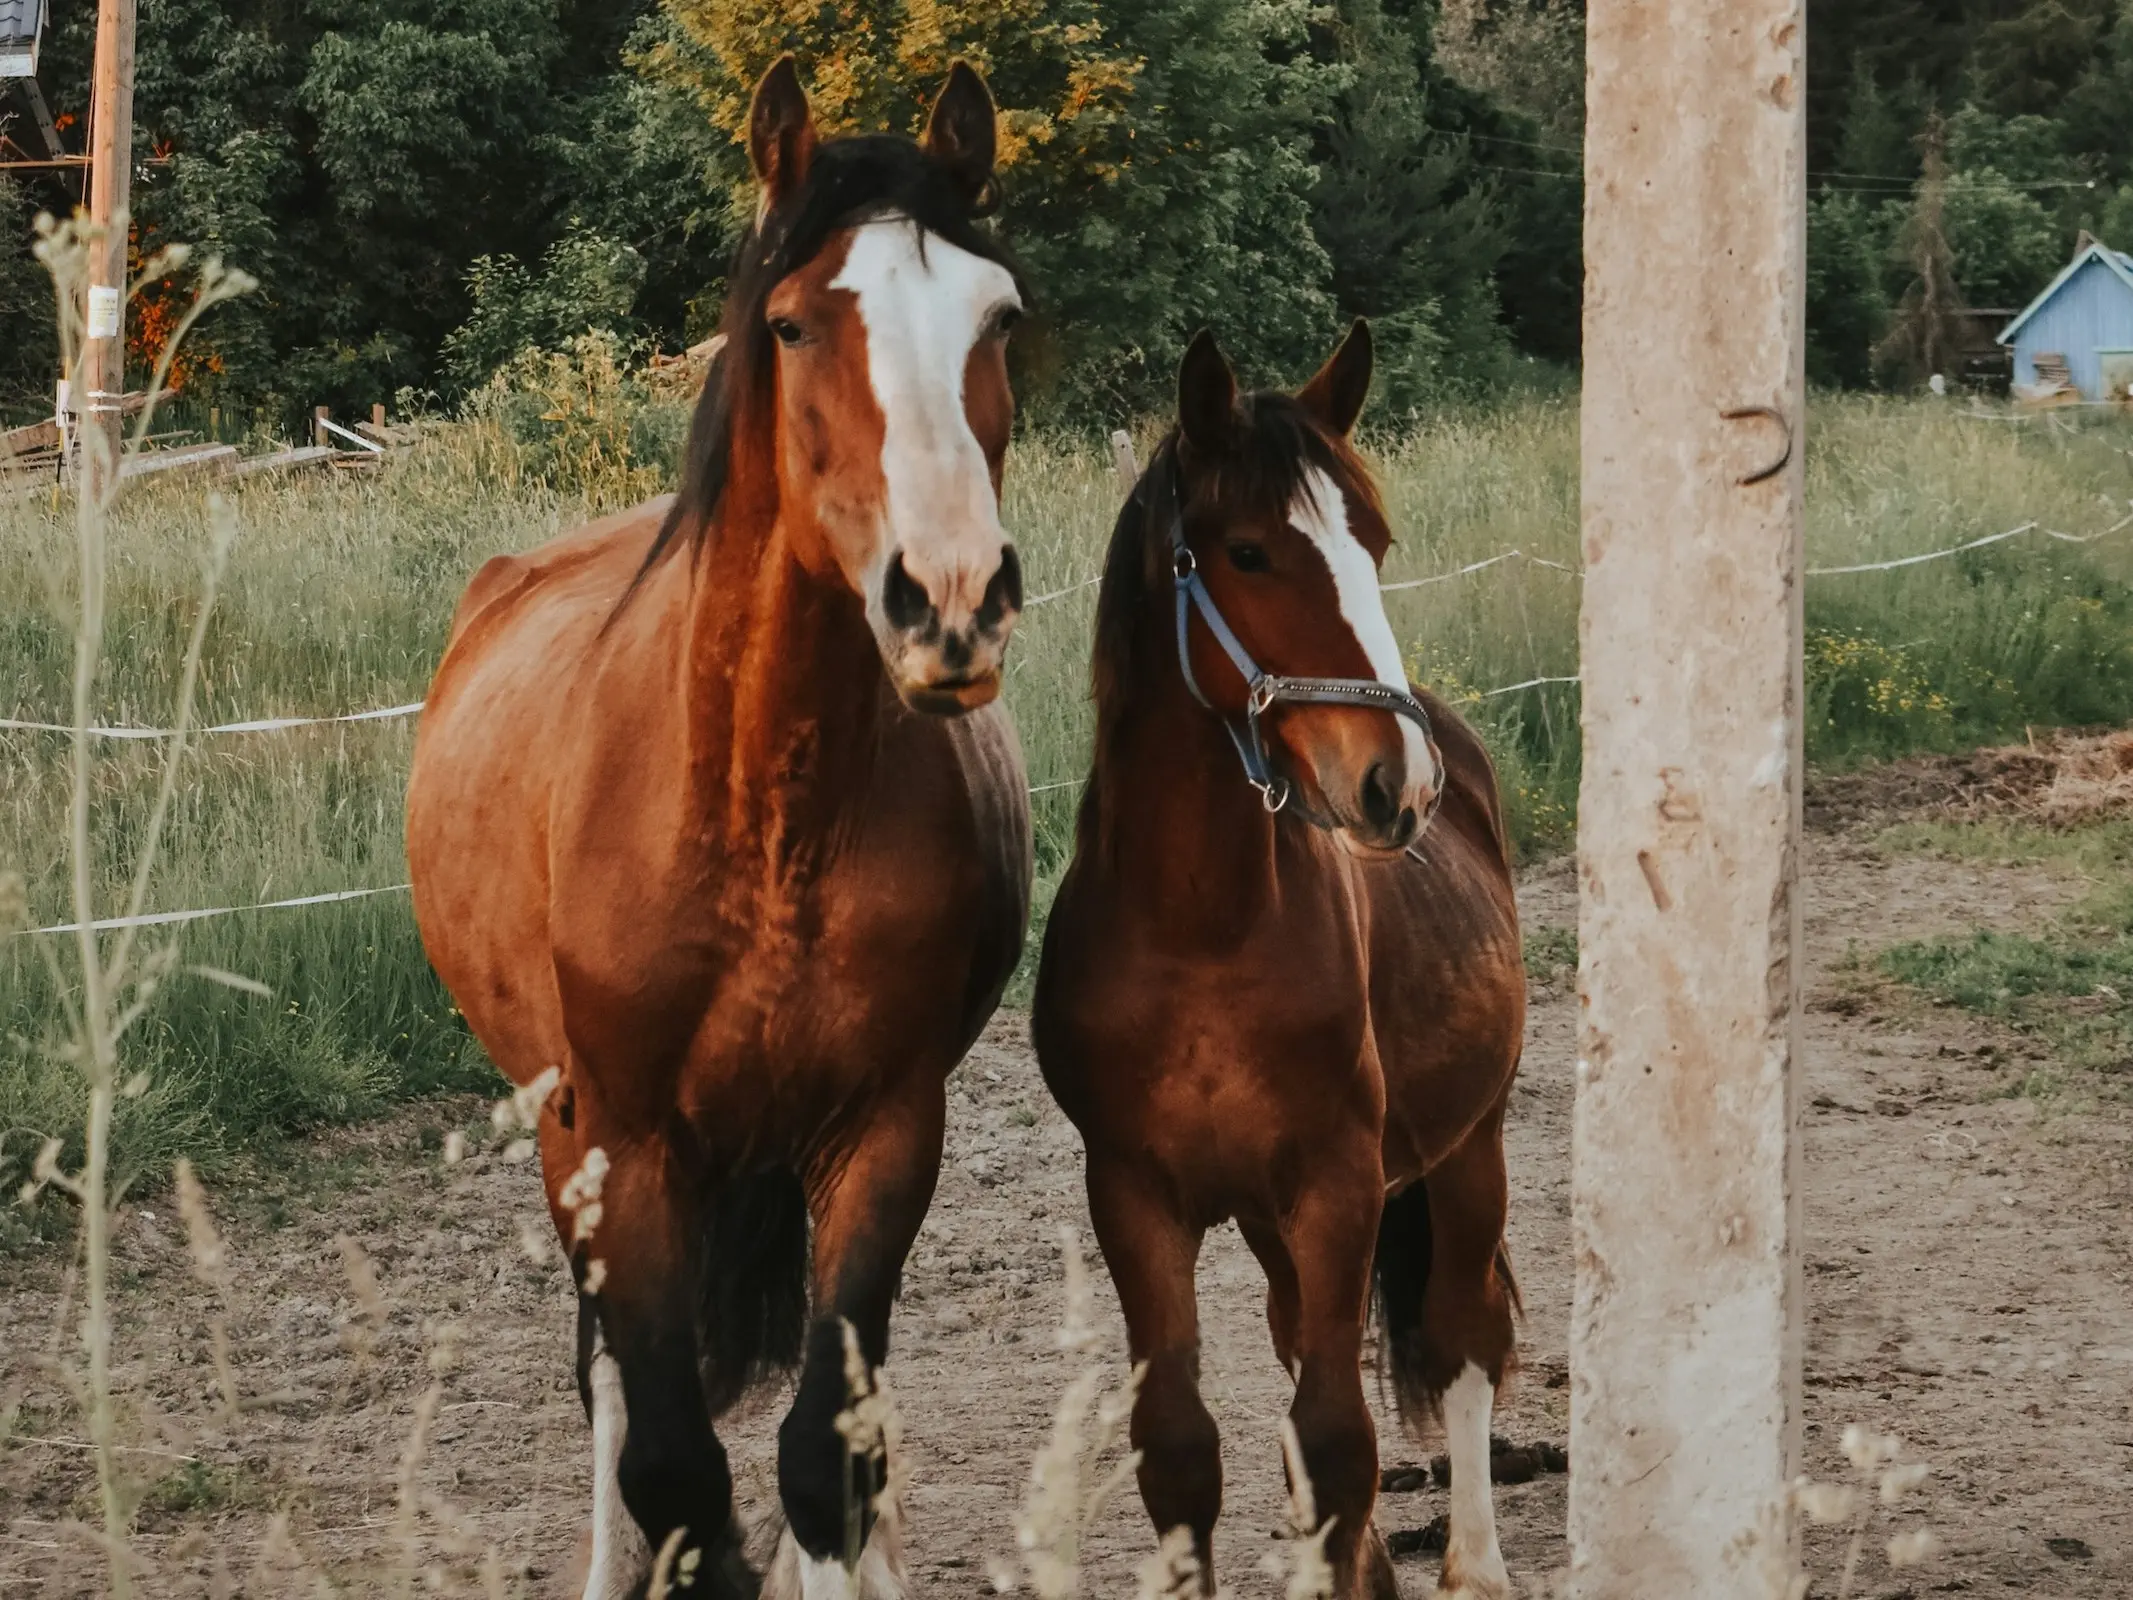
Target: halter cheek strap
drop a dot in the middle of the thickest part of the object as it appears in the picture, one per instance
(1263, 690)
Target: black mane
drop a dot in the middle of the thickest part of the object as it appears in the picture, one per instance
(1273, 446)
(849, 181)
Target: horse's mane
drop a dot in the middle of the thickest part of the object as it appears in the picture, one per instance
(849, 181)
(1274, 444)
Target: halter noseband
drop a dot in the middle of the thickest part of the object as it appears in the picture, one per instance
(1263, 690)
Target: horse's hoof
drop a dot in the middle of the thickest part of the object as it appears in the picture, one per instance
(1475, 1588)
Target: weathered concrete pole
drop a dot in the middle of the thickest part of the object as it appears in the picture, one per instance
(1685, 1335)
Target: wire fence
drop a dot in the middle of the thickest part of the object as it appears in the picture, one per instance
(414, 707)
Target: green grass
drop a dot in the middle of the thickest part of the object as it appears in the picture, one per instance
(1550, 950)
(341, 590)
(2071, 985)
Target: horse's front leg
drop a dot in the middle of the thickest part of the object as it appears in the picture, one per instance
(657, 1465)
(1329, 1234)
(1151, 1252)
(842, 1534)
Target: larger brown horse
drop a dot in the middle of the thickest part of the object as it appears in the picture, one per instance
(687, 825)
(1275, 988)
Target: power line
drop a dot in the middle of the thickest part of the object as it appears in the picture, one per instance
(1897, 180)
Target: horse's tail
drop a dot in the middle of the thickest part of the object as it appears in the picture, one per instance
(752, 1280)
(1400, 1275)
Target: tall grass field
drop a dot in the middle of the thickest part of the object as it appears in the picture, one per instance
(341, 590)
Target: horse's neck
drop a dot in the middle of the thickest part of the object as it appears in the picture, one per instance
(784, 687)
(1184, 828)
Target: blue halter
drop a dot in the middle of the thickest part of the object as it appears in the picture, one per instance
(1263, 690)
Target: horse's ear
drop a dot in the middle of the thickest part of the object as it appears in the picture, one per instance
(781, 132)
(1335, 395)
(962, 134)
(1207, 395)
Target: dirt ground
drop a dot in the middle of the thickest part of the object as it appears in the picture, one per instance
(1969, 1279)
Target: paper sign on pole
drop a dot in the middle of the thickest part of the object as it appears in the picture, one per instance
(103, 311)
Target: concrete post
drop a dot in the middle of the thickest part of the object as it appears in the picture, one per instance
(1685, 1333)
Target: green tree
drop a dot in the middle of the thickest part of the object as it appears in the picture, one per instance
(1875, 139)
(1413, 232)
(2093, 111)
(2006, 245)
(29, 356)
(1847, 303)
(1155, 159)
(358, 156)
(1510, 75)
(585, 283)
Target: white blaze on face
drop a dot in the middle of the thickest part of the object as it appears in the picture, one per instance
(1320, 511)
(924, 303)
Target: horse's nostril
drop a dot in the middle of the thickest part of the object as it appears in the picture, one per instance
(1004, 593)
(1409, 825)
(1381, 801)
(903, 600)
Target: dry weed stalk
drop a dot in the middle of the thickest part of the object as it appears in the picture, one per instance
(410, 1497)
(360, 1333)
(112, 988)
(211, 1267)
(1062, 1504)
(1310, 1576)
(1881, 1480)
(873, 1431)
(672, 1570)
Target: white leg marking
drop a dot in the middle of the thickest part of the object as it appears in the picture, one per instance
(1321, 512)
(796, 1575)
(1473, 1562)
(620, 1554)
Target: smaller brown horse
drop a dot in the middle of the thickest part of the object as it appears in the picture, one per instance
(1291, 997)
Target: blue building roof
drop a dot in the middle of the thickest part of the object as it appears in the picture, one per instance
(2117, 261)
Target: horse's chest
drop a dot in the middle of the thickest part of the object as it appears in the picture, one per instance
(1213, 1048)
(836, 980)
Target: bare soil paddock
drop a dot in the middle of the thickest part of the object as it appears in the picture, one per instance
(1969, 1278)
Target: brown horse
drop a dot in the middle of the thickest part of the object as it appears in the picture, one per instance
(685, 824)
(1288, 996)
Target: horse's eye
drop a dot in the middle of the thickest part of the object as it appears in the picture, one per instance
(1248, 557)
(1004, 320)
(789, 332)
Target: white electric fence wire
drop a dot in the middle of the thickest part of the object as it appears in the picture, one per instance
(273, 724)
(259, 725)
(386, 713)
(156, 919)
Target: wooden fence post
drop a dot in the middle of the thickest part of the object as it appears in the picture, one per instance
(1122, 461)
(101, 425)
(1686, 1326)
(319, 435)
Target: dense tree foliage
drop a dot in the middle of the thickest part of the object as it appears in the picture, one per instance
(424, 187)
(2024, 100)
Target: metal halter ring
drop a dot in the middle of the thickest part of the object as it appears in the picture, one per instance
(1264, 690)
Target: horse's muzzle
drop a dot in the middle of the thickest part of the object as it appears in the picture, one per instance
(945, 652)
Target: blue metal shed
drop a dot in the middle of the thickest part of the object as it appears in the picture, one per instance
(2085, 313)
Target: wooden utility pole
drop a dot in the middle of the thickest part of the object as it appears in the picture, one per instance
(1686, 1326)
(110, 197)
